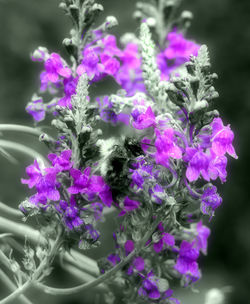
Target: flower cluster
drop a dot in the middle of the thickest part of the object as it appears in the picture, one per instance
(87, 193)
(158, 174)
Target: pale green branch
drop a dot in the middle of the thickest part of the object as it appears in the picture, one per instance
(12, 287)
(23, 149)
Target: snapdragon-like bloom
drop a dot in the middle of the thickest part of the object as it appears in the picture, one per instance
(202, 234)
(61, 162)
(210, 201)
(166, 147)
(186, 263)
(70, 213)
(100, 60)
(69, 87)
(143, 120)
(198, 163)
(47, 189)
(129, 205)
(36, 108)
(176, 54)
(129, 75)
(217, 166)
(149, 287)
(141, 172)
(166, 240)
(81, 181)
(107, 113)
(34, 173)
(222, 138)
(113, 259)
(54, 69)
(92, 186)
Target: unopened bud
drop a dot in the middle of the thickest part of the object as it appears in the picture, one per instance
(187, 15)
(111, 21)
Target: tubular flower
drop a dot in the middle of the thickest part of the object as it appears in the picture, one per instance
(166, 147)
(222, 138)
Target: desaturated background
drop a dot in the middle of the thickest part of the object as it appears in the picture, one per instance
(225, 27)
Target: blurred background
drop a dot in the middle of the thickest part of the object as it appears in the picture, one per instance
(225, 27)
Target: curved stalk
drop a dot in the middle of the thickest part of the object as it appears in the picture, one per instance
(12, 212)
(21, 230)
(20, 128)
(102, 278)
(23, 149)
(38, 273)
(11, 286)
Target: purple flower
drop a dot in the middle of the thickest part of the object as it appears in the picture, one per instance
(198, 164)
(69, 85)
(143, 120)
(157, 194)
(177, 53)
(92, 186)
(91, 233)
(149, 287)
(80, 181)
(46, 188)
(168, 295)
(222, 138)
(107, 113)
(34, 173)
(217, 167)
(110, 65)
(166, 147)
(114, 259)
(179, 48)
(129, 75)
(90, 64)
(70, 213)
(55, 67)
(99, 60)
(62, 162)
(166, 240)
(186, 262)
(129, 247)
(210, 201)
(128, 206)
(202, 234)
(99, 187)
(139, 263)
(142, 172)
(36, 108)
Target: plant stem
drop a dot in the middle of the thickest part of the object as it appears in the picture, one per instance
(5, 279)
(102, 278)
(23, 149)
(82, 276)
(12, 212)
(20, 128)
(21, 230)
(38, 273)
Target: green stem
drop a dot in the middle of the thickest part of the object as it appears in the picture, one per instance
(82, 276)
(21, 230)
(12, 212)
(20, 128)
(23, 149)
(38, 273)
(12, 287)
(102, 278)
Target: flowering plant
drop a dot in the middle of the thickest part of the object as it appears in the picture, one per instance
(155, 177)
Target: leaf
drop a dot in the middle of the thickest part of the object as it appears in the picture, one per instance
(203, 56)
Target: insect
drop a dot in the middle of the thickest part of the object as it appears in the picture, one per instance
(119, 162)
